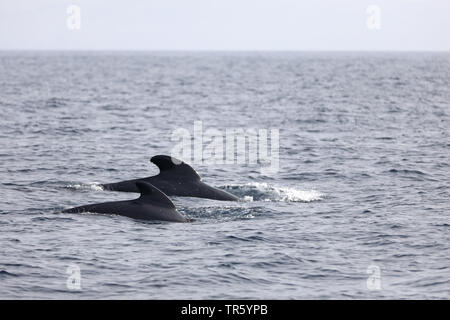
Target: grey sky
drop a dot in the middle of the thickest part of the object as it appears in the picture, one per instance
(226, 25)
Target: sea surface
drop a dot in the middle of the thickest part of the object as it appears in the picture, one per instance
(359, 207)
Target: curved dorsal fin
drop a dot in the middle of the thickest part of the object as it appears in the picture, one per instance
(151, 194)
(174, 168)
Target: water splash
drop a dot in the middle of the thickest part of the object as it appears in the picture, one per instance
(95, 186)
(261, 191)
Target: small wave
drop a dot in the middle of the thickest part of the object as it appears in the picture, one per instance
(224, 213)
(259, 191)
(4, 273)
(86, 186)
(55, 102)
(406, 171)
(61, 219)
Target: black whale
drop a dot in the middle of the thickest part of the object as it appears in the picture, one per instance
(176, 178)
(151, 205)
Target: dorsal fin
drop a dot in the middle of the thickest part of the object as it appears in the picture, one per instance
(174, 168)
(151, 194)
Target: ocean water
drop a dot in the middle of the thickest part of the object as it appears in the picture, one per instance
(359, 207)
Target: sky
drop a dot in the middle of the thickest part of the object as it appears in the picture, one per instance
(281, 25)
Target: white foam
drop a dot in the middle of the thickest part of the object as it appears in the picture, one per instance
(91, 185)
(291, 194)
(262, 191)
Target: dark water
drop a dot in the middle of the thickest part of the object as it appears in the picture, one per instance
(364, 177)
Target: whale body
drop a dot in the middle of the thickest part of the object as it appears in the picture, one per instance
(176, 178)
(151, 205)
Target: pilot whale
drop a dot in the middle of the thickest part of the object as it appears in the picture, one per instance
(151, 205)
(176, 178)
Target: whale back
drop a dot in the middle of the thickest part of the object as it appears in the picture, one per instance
(171, 168)
(152, 195)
